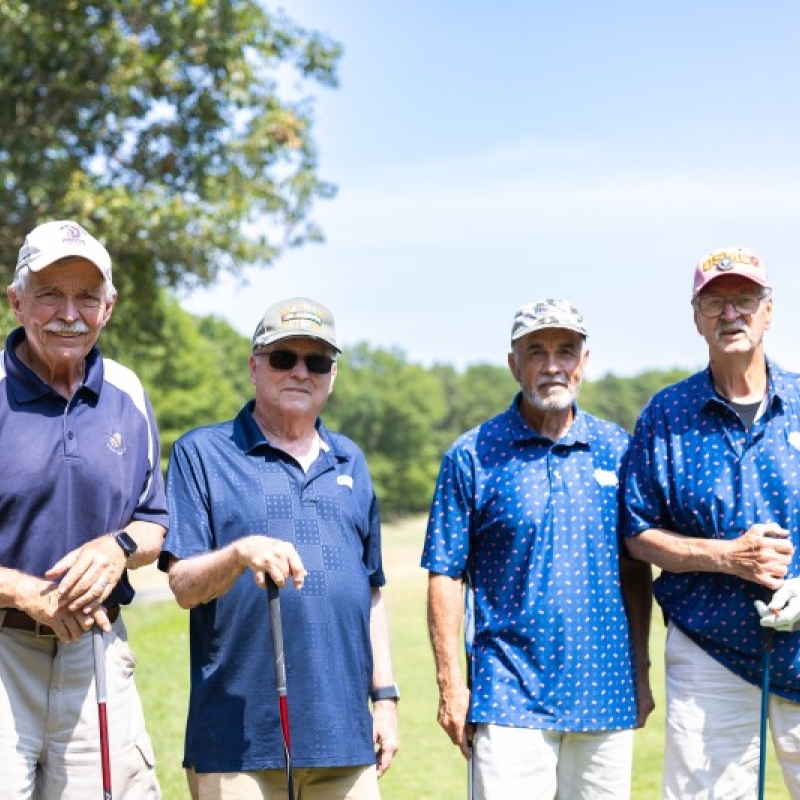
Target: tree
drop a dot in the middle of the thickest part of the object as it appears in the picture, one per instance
(163, 127)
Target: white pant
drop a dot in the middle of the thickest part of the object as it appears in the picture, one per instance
(713, 725)
(533, 764)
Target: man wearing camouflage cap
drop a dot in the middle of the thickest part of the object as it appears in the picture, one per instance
(273, 491)
(525, 515)
(712, 498)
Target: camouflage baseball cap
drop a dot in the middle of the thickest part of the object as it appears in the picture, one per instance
(297, 316)
(547, 314)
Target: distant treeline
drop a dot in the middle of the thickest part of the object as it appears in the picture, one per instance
(402, 415)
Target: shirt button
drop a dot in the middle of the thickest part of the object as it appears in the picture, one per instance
(70, 435)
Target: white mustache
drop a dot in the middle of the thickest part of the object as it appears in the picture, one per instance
(70, 329)
(548, 381)
(735, 327)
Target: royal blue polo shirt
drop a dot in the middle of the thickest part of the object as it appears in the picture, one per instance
(695, 469)
(225, 482)
(532, 525)
(73, 470)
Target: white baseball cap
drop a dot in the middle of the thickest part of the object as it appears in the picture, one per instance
(52, 241)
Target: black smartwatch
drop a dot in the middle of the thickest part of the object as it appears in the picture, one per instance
(385, 693)
(126, 543)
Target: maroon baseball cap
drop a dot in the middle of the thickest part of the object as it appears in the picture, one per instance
(729, 261)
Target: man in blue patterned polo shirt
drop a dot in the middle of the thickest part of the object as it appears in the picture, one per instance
(274, 491)
(525, 513)
(713, 498)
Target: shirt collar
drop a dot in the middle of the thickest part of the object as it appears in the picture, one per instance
(520, 430)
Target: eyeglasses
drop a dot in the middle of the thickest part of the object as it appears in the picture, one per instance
(284, 360)
(712, 305)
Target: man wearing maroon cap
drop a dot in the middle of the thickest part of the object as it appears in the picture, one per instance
(712, 498)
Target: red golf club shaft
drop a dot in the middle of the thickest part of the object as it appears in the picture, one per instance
(276, 626)
(99, 649)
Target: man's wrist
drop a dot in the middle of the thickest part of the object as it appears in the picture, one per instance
(126, 542)
(390, 692)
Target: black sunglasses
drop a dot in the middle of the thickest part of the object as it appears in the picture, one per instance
(284, 360)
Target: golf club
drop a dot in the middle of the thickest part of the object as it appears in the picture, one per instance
(280, 677)
(469, 635)
(99, 648)
(762, 752)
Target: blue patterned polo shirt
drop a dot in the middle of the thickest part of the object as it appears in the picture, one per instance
(532, 524)
(696, 470)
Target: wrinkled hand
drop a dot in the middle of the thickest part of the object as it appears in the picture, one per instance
(88, 575)
(275, 557)
(645, 704)
(782, 613)
(452, 716)
(384, 734)
(761, 554)
(42, 603)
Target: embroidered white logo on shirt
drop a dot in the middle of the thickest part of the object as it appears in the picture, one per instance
(115, 445)
(794, 439)
(345, 480)
(605, 477)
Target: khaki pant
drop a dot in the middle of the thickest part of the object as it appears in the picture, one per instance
(49, 730)
(534, 764)
(341, 783)
(713, 723)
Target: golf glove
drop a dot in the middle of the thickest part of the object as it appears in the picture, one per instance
(783, 611)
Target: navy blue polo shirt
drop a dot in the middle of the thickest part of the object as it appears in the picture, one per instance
(225, 482)
(533, 525)
(73, 470)
(695, 469)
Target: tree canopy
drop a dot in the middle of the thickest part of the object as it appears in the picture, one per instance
(178, 132)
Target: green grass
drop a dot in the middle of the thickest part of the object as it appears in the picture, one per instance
(427, 767)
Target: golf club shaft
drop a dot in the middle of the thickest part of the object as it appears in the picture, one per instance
(99, 649)
(762, 754)
(276, 626)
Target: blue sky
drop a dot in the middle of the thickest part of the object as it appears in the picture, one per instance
(493, 154)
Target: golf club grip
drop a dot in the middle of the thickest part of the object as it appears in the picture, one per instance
(99, 649)
(277, 634)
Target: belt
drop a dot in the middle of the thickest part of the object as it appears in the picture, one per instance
(19, 621)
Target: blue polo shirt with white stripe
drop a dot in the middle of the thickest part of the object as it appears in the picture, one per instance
(225, 482)
(532, 524)
(695, 469)
(73, 470)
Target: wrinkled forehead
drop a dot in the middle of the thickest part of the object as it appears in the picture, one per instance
(731, 284)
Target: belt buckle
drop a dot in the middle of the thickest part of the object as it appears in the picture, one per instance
(37, 630)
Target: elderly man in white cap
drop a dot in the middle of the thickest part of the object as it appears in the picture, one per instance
(525, 515)
(273, 492)
(81, 502)
(712, 498)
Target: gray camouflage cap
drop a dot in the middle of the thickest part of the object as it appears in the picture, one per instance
(297, 316)
(547, 314)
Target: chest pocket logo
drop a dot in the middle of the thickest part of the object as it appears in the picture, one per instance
(794, 439)
(605, 477)
(345, 480)
(115, 445)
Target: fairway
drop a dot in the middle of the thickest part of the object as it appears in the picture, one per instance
(427, 767)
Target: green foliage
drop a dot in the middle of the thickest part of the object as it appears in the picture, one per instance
(621, 399)
(387, 406)
(164, 128)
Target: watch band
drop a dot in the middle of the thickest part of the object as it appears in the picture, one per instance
(385, 693)
(126, 542)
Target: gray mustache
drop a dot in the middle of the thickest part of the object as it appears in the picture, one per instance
(69, 329)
